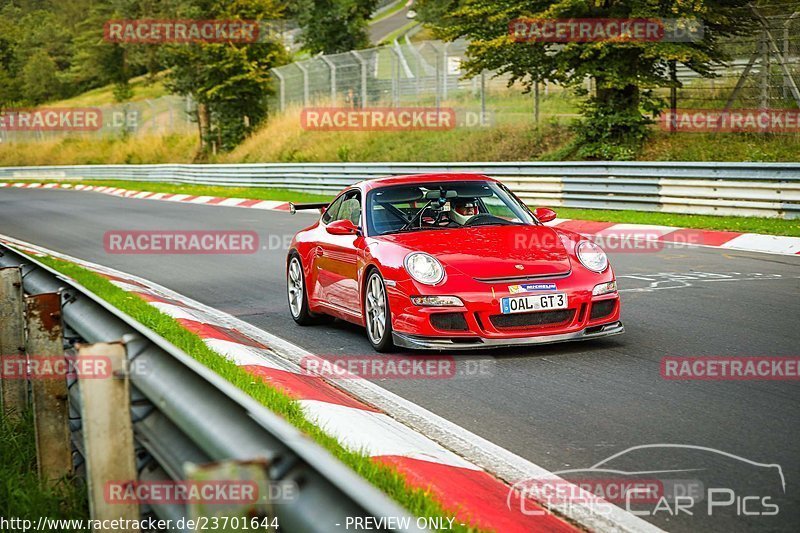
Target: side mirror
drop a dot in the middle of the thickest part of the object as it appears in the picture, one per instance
(342, 227)
(544, 214)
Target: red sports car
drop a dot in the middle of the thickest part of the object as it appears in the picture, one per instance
(449, 261)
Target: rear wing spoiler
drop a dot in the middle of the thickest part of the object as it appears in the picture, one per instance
(294, 208)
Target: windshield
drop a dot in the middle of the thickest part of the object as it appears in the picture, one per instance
(443, 205)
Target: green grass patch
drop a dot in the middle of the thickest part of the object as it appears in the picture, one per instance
(142, 89)
(22, 495)
(768, 226)
(418, 502)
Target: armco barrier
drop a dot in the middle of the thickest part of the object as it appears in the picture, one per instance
(747, 189)
(184, 413)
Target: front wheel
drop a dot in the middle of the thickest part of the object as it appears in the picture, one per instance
(377, 316)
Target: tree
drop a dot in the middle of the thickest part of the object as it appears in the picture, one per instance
(616, 116)
(333, 26)
(229, 81)
(40, 79)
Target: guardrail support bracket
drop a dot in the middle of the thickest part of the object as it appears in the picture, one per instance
(45, 343)
(13, 392)
(108, 436)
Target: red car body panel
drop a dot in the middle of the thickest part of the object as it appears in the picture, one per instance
(480, 264)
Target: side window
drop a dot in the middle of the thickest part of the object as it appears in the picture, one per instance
(351, 208)
(333, 209)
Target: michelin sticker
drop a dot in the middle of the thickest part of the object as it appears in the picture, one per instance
(531, 287)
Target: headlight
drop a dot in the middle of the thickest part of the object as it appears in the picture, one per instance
(424, 268)
(592, 256)
(437, 301)
(604, 288)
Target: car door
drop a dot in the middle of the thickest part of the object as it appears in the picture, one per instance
(337, 257)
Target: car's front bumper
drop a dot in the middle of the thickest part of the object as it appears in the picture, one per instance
(415, 342)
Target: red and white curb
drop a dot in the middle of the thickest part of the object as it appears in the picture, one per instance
(469, 475)
(732, 240)
(165, 197)
(747, 242)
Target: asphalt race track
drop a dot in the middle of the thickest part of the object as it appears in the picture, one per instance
(383, 28)
(565, 406)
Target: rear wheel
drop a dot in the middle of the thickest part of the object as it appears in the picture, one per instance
(377, 316)
(296, 290)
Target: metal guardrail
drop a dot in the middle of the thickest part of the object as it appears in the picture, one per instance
(184, 413)
(747, 189)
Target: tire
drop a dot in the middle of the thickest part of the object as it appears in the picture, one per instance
(377, 316)
(296, 292)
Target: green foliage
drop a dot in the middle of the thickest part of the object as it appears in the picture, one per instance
(332, 26)
(229, 81)
(22, 495)
(616, 117)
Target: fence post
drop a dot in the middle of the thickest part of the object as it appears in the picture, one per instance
(45, 342)
(332, 68)
(765, 66)
(304, 70)
(536, 103)
(483, 96)
(107, 431)
(395, 55)
(363, 64)
(673, 95)
(446, 67)
(282, 88)
(13, 392)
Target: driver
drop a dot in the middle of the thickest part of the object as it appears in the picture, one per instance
(462, 209)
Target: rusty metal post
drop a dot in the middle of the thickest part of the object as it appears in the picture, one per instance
(107, 430)
(13, 391)
(45, 349)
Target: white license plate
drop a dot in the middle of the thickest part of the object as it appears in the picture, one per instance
(533, 302)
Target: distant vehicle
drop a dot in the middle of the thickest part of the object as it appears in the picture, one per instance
(449, 261)
(411, 14)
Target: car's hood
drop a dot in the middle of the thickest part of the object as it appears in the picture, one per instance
(487, 252)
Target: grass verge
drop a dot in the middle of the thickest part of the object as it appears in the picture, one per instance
(22, 495)
(767, 226)
(417, 501)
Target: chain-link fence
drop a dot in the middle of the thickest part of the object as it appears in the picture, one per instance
(427, 73)
(764, 73)
(165, 115)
